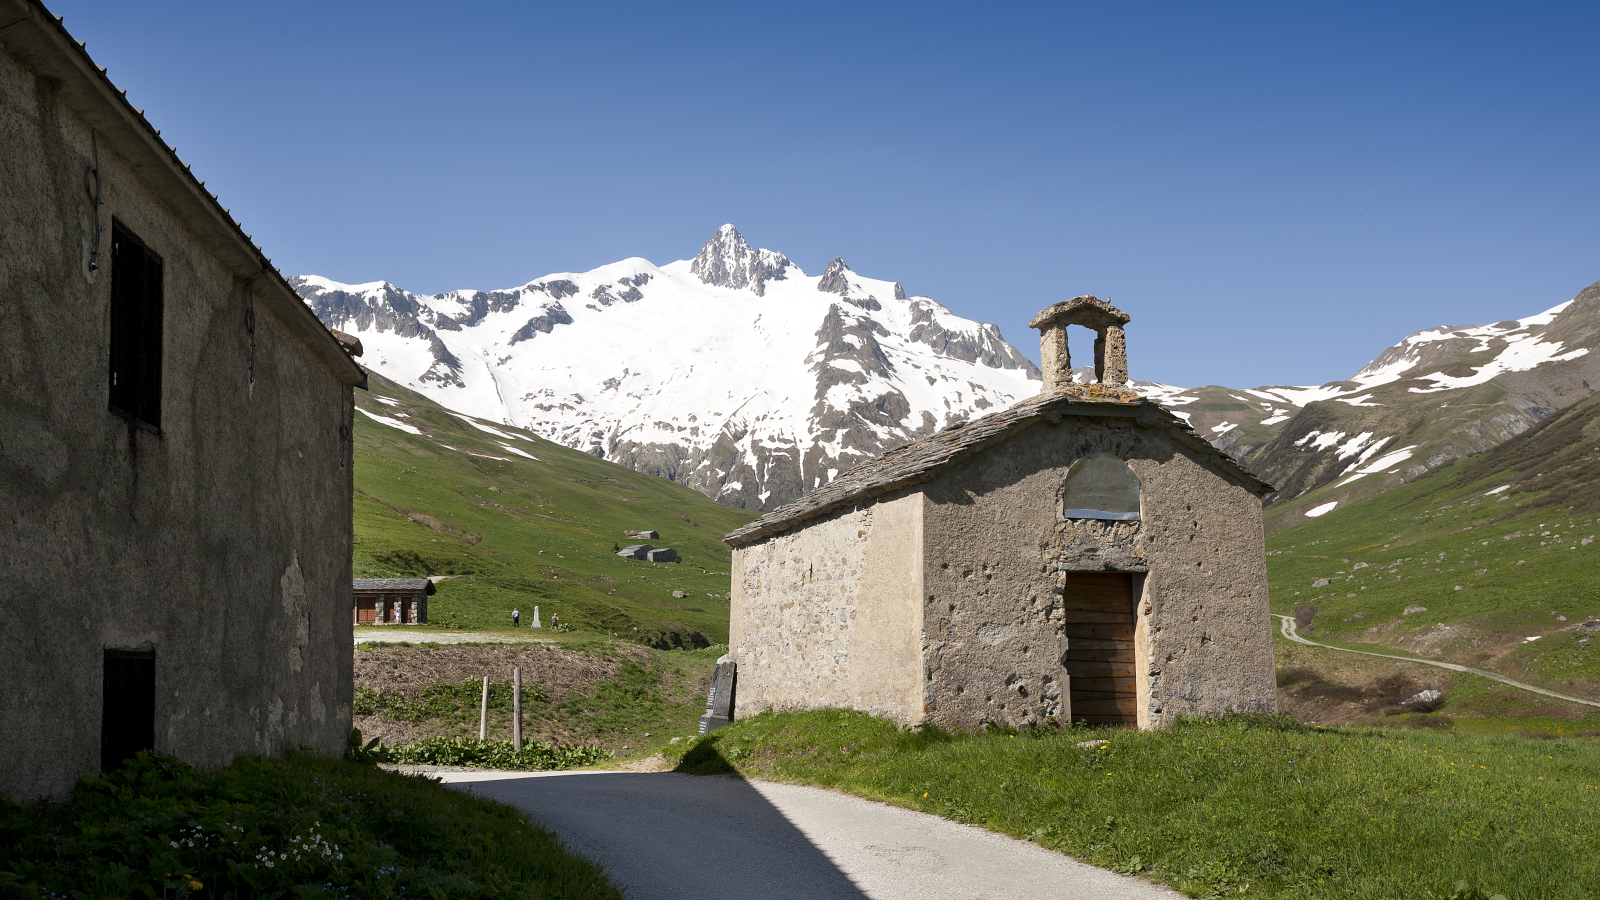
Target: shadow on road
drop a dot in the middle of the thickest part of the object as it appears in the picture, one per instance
(668, 835)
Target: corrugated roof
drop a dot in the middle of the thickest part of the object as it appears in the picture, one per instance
(918, 461)
(398, 585)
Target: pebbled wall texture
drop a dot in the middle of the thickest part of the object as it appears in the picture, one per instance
(985, 547)
(223, 543)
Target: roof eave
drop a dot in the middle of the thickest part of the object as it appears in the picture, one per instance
(29, 30)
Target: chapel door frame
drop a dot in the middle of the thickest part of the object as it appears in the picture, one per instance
(1137, 640)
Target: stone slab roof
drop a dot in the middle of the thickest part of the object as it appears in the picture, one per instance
(397, 585)
(920, 461)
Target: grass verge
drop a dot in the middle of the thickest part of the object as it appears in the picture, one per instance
(1252, 806)
(298, 827)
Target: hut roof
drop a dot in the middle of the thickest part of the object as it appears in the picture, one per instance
(395, 585)
(919, 461)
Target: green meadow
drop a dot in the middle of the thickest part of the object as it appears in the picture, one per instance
(524, 522)
(1229, 806)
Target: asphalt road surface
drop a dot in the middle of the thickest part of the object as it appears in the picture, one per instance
(663, 835)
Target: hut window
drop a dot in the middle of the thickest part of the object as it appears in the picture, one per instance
(1101, 486)
(128, 710)
(136, 305)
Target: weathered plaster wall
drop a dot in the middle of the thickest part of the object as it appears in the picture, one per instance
(996, 546)
(223, 543)
(827, 616)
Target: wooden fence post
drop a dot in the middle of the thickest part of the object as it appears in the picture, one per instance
(483, 712)
(516, 709)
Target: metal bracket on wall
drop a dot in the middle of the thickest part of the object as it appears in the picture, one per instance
(91, 186)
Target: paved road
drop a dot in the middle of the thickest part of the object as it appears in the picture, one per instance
(675, 837)
(1289, 632)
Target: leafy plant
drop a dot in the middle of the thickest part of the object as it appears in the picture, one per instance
(462, 751)
(297, 827)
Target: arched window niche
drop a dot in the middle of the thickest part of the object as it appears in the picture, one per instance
(1101, 486)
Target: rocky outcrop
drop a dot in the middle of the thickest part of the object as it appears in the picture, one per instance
(984, 346)
(728, 261)
(543, 323)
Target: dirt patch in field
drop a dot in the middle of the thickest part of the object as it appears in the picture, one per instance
(1342, 689)
(405, 671)
(552, 671)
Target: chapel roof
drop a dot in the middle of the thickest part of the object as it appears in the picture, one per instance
(919, 461)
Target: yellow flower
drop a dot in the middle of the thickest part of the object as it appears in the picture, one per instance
(195, 885)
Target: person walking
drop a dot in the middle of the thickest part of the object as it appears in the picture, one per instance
(515, 618)
(555, 620)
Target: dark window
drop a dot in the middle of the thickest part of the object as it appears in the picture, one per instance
(1101, 487)
(135, 330)
(128, 719)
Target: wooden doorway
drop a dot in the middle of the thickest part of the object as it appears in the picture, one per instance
(1099, 659)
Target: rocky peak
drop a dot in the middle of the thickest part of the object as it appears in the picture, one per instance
(834, 280)
(728, 261)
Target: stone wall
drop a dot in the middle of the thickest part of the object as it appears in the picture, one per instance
(223, 543)
(827, 615)
(996, 546)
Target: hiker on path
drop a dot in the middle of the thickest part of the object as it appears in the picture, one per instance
(554, 620)
(515, 618)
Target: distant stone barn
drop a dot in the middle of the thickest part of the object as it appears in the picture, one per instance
(1082, 555)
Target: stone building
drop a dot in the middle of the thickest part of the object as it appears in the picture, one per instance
(1082, 555)
(390, 601)
(175, 472)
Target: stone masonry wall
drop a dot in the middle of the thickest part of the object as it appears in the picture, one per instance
(828, 615)
(997, 547)
(222, 544)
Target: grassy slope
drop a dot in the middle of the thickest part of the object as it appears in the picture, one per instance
(1235, 807)
(455, 501)
(1422, 540)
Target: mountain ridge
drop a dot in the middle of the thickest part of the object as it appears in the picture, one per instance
(738, 374)
(734, 372)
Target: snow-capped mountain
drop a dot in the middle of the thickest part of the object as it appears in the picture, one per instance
(1438, 395)
(735, 372)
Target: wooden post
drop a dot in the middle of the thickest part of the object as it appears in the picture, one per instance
(516, 708)
(483, 712)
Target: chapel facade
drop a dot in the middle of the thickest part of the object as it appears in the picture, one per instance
(1081, 556)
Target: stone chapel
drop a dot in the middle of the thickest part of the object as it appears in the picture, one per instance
(1081, 556)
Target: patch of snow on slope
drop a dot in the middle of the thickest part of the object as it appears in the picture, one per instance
(1383, 463)
(392, 423)
(494, 431)
(1358, 401)
(1319, 440)
(1315, 511)
(1524, 353)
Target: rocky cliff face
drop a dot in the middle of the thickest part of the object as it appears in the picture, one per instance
(734, 372)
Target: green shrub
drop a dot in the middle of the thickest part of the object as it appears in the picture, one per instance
(463, 751)
(298, 827)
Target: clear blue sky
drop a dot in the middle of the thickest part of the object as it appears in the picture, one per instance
(1275, 192)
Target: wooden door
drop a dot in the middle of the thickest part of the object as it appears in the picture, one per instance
(365, 615)
(1099, 631)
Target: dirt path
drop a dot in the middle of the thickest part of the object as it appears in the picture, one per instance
(1287, 628)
